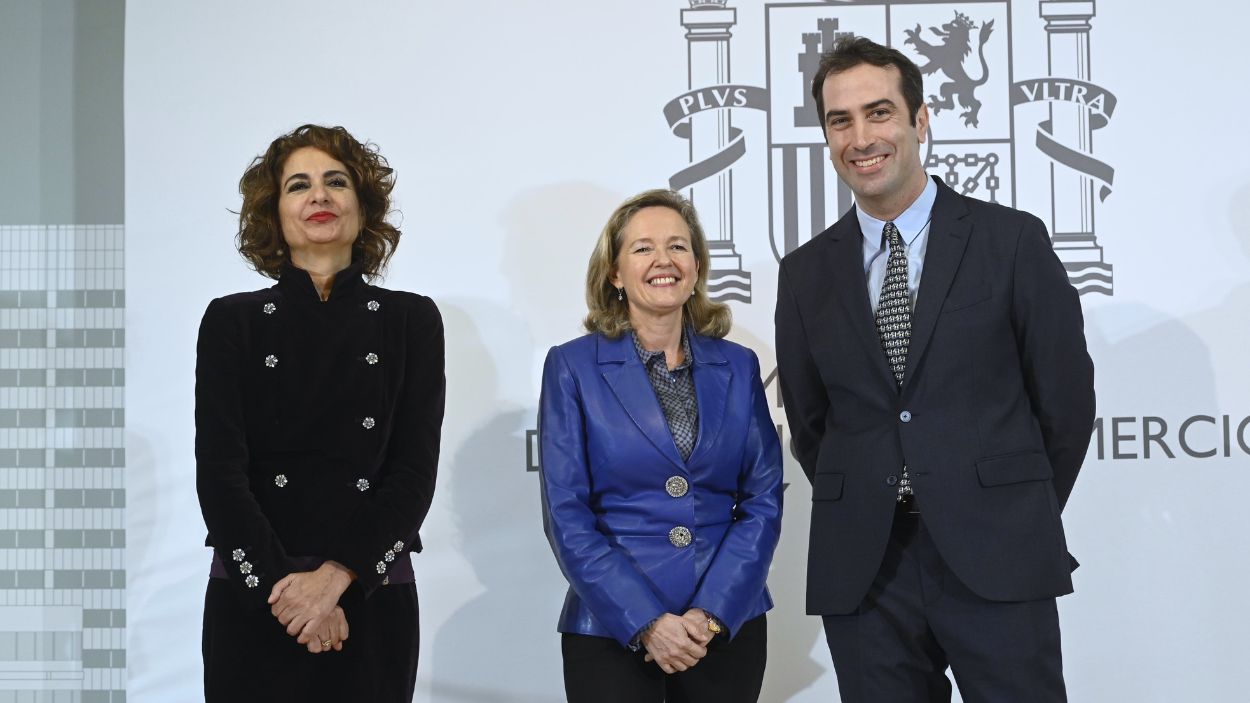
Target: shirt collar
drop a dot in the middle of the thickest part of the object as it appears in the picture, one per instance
(648, 357)
(909, 224)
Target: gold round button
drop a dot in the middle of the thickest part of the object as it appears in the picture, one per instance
(679, 536)
(676, 486)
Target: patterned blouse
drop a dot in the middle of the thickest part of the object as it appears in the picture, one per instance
(675, 390)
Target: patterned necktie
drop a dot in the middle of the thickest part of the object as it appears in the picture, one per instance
(894, 319)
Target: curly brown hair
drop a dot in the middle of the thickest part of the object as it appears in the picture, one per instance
(260, 238)
(609, 315)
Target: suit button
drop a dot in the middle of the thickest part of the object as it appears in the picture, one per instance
(891, 480)
(676, 486)
(679, 536)
(905, 416)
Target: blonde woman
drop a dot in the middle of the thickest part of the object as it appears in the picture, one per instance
(661, 475)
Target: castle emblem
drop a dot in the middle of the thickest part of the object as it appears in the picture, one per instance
(972, 143)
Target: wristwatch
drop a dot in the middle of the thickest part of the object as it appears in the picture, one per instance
(713, 626)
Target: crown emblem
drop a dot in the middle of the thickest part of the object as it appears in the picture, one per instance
(702, 4)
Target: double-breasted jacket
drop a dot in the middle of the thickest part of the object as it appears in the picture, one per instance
(317, 428)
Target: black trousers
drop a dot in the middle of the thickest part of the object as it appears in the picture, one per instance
(600, 670)
(918, 619)
(248, 656)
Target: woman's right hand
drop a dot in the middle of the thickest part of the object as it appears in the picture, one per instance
(333, 629)
(675, 643)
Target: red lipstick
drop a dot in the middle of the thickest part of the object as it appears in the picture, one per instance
(322, 216)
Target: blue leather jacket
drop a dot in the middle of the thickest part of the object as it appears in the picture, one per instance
(606, 457)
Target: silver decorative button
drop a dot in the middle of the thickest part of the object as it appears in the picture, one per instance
(390, 556)
(271, 361)
(676, 486)
(381, 567)
(905, 416)
(246, 567)
(269, 308)
(238, 555)
(679, 536)
(252, 581)
(371, 358)
(368, 423)
(399, 547)
(362, 484)
(373, 305)
(280, 481)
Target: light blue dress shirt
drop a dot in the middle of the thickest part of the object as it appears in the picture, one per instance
(913, 225)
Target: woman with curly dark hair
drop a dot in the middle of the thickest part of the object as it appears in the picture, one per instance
(319, 404)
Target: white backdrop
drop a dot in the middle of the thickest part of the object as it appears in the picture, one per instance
(515, 128)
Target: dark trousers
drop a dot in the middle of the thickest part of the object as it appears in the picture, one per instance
(918, 619)
(600, 670)
(248, 656)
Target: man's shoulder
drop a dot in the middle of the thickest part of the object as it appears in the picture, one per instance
(986, 211)
(809, 253)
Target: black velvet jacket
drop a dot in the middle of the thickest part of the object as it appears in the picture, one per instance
(317, 427)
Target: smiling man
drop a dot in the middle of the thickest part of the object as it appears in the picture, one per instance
(933, 368)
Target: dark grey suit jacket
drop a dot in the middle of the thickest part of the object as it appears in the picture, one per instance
(993, 419)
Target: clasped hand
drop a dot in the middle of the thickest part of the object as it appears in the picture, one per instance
(677, 643)
(306, 602)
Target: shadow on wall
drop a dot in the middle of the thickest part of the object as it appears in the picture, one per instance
(502, 644)
(164, 606)
(498, 646)
(1166, 524)
(551, 233)
(795, 639)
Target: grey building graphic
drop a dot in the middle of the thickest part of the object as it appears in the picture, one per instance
(62, 459)
(62, 344)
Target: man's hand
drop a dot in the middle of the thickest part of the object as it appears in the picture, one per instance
(675, 643)
(307, 598)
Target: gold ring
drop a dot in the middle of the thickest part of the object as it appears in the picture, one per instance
(326, 643)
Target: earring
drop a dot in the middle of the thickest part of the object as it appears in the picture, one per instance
(620, 293)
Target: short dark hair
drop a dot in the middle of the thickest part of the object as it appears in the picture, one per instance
(260, 239)
(851, 51)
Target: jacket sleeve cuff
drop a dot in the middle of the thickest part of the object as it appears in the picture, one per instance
(251, 573)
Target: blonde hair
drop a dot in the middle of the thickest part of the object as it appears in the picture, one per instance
(610, 316)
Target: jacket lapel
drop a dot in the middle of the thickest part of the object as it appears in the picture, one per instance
(624, 374)
(948, 238)
(712, 377)
(846, 264)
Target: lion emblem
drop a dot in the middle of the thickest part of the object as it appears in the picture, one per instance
(948, 57)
